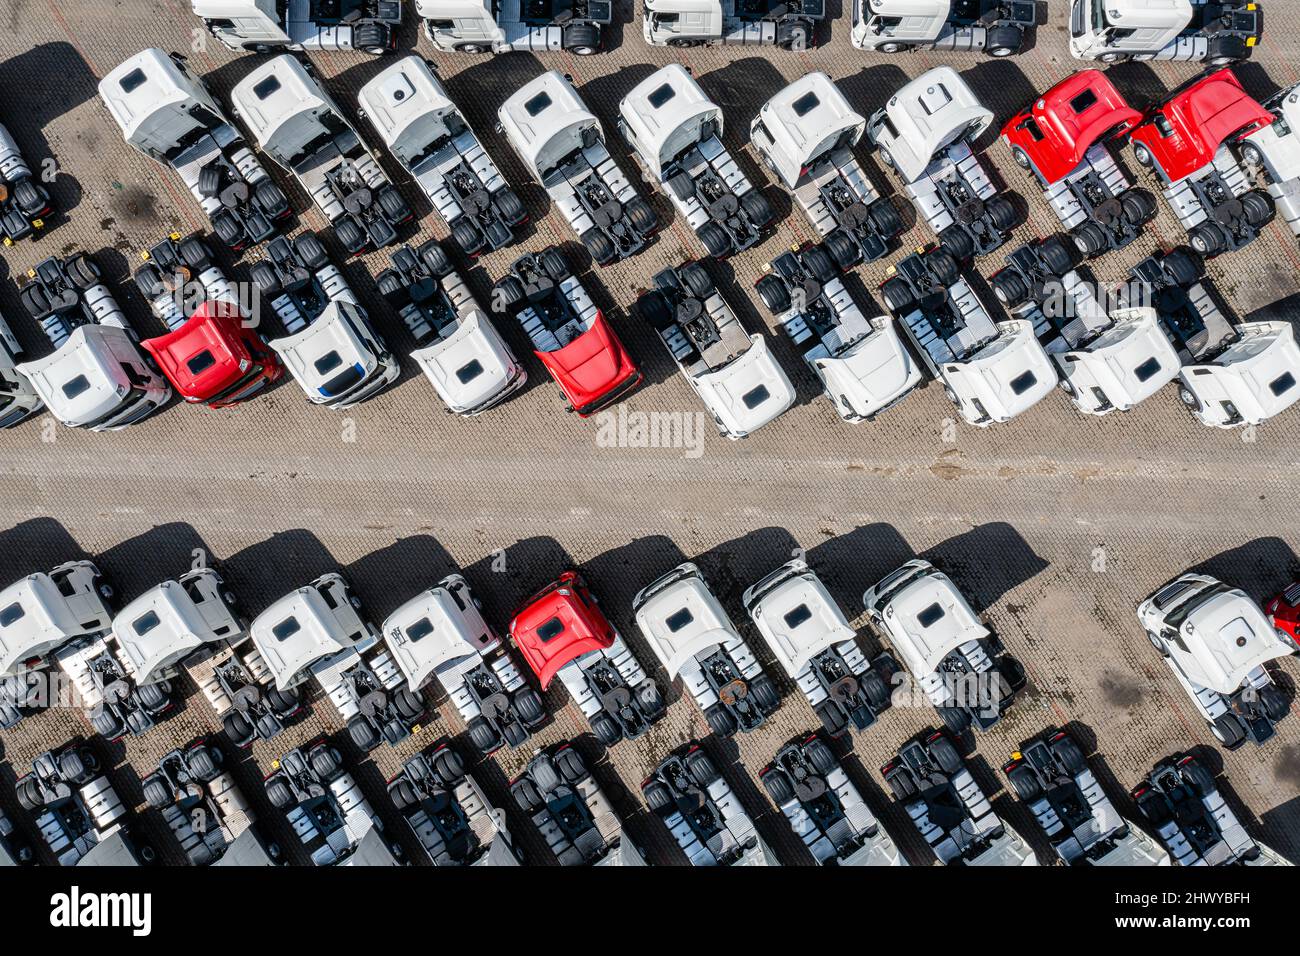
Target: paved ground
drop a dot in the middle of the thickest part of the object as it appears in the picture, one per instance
(1055, 525)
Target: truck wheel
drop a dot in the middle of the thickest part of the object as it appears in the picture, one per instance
(435, 259)
(526, 795)
(885, 218)
(35, 300)
(892, 47)
(819, 264)
(757, 208)
(82, 271)
(1181, 267)
(897, 295)
(470, 48)
(1002, 211)
(1208, 238)
(149, 281)
(720, 721)
(945, 755)
(393, 206)
(278, 792)
(1010, 288)
(599, 246)
(509, 206)
(1070, 756)
(194, 254)
(370, 38)
(228, 228)
(1142, 155)
(1257, 206)
(448, 766)
(701, 768)
(696, 280)
(1025, 783)
(272, 199)
(1021, 158)
(1228, 731)
(363, 734)
(1090, 238)
(238, 728)
(901, 784)
(1251, 155)
(1056, 256)
(943, 267)
(265, 278)
(642, 216)
(156, 793)
(402, 794)
(507, 294)
(956, 720)
(1139, 206)
(1273, 702)
(467, 236)
(957, 242)
(714, 239)
(32, 200)
(657, 797)
(483, 736)
(606, 729)
(1003, 41)
(778, 786)
(1222, 50)
(311, 252)
(581, 39)
(351, 235)
(844, 251)
(29, 794)
(774, 294)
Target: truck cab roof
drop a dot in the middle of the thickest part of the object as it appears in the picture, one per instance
(665, 114)
(546, 120)
(469, 367)
(284, 108)
(157, 103)
(747, 392)
(928, 115)
(928, 618)
(1064, 123)
(807, 119)
(330, 357)
(84, 382)
(1131, 360)
(872, 373)
(207, 354)
(1007, 376)
(436, 628)
(559, 624)
(796, 615)
(409, 107)
(303, 628)
(162, 626)
(35, 618)
(1257, 373)
(682, 619)
(1185, 133)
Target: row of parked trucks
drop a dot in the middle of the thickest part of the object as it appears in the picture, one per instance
(82, 821)
(1106, 355)
(318, 641)
(1219, 32)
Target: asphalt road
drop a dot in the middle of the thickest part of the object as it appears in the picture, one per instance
(1055, 525)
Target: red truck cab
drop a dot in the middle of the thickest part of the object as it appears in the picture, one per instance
(1284, 612)
(1053, 135)
(559, 623)
(216, 357)
(1185, 134)
(594, 370)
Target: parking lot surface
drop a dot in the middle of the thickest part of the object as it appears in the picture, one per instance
(1055, 525)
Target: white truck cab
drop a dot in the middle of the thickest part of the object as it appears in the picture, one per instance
(926, 133)
(812, 640)
(1247, 383)
(1115, 30)
(691, 634)
(166, 113)
(339, 359)
(318, 632)
(675, 132)
(562, 144)
(1217, 642)
(458, 348)
(295, 122)
(995, 27)
(806, 134)
(949, 652)
(260, 25)
(689, 23)
(440, 636)
(426, 132)
(500, 26)
(1125, 364)
(1275, 150)
(733, 371)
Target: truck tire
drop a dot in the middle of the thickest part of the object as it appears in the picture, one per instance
(1223, 50)
(448, 766)
(528, 705)
(819, 754)
(1228, 731)
(194, 253)
(29, 794)
(82, 271)
(390, 284)
(32, 200)
(945, 755)
(1002, 212)
(955, 719)
(311, 252)
(701, 769)
(271, 199)
(351, 235)
(793, 36)
(202, 763)
(655, 311)
(435, 259)
(1090, 238)
(942, 267)
(885, 218)
(370, 38)
(606, 729)
(507, 293)
(324, 762)
(1025, 783)
(156, 793)
(1142, 155)
(581, 39)
(1056, 256)
(1208, 238)
(658, 797)
(696, 280)
(35, 300)
(757, 208)
(238, 728)
(470, 48)
(485, 739)
(773, 293)
(819, 264)
(1139, 206)
(1274, 703)
(957, 242)
(897, 295)
(393, 206)
(844, 251)
(467, 235)
(402, 794)
(1198, 777)
(509, 206)
(714, 239)
(149, 281)
(1021, 158)
(720, 721)
(228, 228)
(901, 784)
(642, 216)
(1070, 756)
(569, 763)
(278, 792)
(1257, 207)
(599, 247)
(1181, 267)
(265, 278)
(526, 795)
(1004, 41)
(778, 786)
